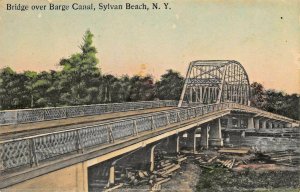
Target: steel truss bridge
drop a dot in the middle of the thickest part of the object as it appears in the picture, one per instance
(215, 82)
(213, 90)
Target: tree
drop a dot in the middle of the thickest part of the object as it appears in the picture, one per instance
(292, 106)
(45, 89)
(170, 86)
(275, 101)
(124, 91)
(109, 88)
(8, 88)
(80, 75)
(258, 97)
(141, 88)
(30, 78)
(13, 92)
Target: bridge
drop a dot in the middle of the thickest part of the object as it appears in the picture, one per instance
(80, 148)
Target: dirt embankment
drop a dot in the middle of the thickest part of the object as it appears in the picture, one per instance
(211, 171)
(222, 170)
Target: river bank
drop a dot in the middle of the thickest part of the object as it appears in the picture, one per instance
(256, 174)
(249, 164)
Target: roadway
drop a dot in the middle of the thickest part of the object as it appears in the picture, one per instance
(28, 129)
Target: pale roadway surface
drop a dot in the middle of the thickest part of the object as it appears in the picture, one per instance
(28, 129)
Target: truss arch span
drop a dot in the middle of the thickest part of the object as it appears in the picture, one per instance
(215, 81)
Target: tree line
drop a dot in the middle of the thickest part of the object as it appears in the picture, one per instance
(80, 81)
(274, 101)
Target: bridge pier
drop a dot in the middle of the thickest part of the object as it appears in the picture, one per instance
(263, 124)
(243, 134)
(239, 122)
(141, 158)
(227, 138)
(215, 134)
(250, 123)
(170, 145)
(256, 123)
(270, 124)
(99, 175)
(190, 139)
(197, 137)
(229, 123)
(204, 136)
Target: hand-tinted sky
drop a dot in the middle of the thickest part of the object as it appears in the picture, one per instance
(264, 36)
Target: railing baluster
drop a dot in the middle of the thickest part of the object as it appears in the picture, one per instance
(79, 144)
(178, 117)
(135, 131)
(152, 123)
(32, 152)
(168, 119)
(110, 134)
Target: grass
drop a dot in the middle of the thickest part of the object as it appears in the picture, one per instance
(221, 179)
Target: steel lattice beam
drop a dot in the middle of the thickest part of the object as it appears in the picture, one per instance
(215, 81)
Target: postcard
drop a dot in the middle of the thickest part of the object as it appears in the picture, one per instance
(133, 95)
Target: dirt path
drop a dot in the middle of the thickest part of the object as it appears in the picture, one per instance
(185, 179)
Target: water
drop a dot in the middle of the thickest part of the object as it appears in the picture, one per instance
(265, 144)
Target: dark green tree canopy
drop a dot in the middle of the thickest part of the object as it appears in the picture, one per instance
(275, 101)
(170, 85)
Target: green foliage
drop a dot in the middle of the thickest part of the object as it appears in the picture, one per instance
(80, 75)
(257, 95)
(81, 82)
(10, 86)
(275, 101)
(141, 88)
(170, 85)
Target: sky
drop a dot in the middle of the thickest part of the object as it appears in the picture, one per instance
(264, 36)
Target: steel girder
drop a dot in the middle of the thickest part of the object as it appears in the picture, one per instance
(215, 81)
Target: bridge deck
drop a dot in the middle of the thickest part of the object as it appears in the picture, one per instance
(120, 146)
(19, 130)
(44, 153)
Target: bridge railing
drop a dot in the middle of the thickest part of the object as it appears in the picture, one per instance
(30, 151)
(262, 112)
(43, 114)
